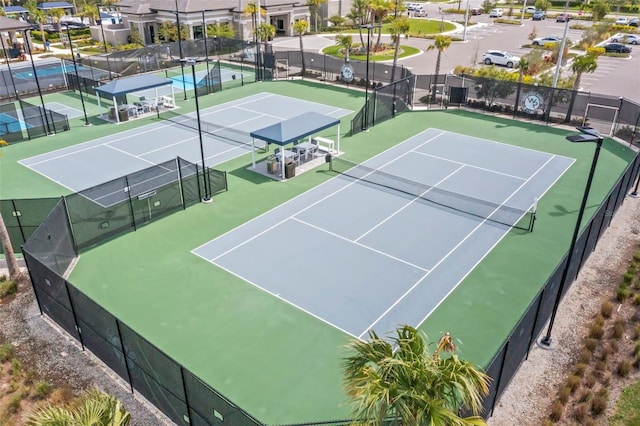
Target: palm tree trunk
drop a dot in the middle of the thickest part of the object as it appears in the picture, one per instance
(576, 86)
(379, 35)
(433, 92)
(302, 55)
(12, 263)
(515, 106)
(44, 39)
(395, 58)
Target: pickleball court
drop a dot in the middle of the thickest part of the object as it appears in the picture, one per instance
(358, 255)
(101, 160)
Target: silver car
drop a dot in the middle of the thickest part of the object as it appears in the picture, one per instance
(498, 57)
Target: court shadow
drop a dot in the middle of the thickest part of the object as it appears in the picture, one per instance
(561, 210)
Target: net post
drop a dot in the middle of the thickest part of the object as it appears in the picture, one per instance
(532, 221)
(329, 159)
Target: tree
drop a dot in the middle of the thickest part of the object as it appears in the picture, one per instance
(7, 248)
(169, 31)
(441, 43)
(134, 36)
(379, 9)
(265, 32)
(581, 64)
(57, 14)
(399, 27)
(39, 17)
(542, 5)
(359, 16)
(252, 10)
(401, 379)
(314, 6)
(337, 20)
(492, 83)
(599, 9)
(95, 408)
(224, 30)
(90, 12)
(523, 67)
(300, 28)
(346, 42)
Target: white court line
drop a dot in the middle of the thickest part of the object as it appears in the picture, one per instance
(359, 244)
(410, 202)
(299, 211)
(258, 112)
(277, 296)
(458, 245)
(128, 153)
(469, 165)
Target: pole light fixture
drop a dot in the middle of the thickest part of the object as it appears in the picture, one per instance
(587, 134)
(75, 69)
(205, 173)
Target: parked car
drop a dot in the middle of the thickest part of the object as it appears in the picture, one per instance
(622, 21)
(495, 13)
(539, 15)
(563, 17)
(541, 41)
(420, 13)
(626, 38)
(633, 22)
(616, 48)
(530, 9)
(475, 11)
(498, 57)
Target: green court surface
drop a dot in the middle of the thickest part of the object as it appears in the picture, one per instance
(274, 361)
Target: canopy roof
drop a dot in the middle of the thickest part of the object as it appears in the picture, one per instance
(15, 9)
(8, 24)
(132, 84)
(295, 128)
(55, 5)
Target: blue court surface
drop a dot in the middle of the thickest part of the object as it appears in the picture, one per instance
(92, 163)
(180, 83)
(9, 124)
(359, 256)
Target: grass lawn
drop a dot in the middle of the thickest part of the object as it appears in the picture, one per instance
(417, 28)
(404, 52)
(628, 407)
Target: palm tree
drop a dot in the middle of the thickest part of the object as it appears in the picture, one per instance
(346, 42)
(441, 43)
(89, 11)
(300, 28)
(265, 32)
(39, 17)
(581, 64)
(7, 248)
(399, 27)
(252, 10)
(359, 14)
(523, 67)
(400, 379)
(379, 9)
(56, 14)
(95, 408)
(314, 5)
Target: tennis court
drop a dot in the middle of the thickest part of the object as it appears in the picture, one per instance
(9, 124)
(403, 230)
(227, 128)
(180, 82)
(70, 112)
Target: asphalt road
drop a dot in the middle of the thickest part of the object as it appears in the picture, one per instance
(614, 76)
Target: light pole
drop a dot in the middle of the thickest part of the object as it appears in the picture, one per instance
(562, 44)
(13, 83)
(184, 83)
(205, 173)
(587, 134)
(27, 36)
(75, 68)
(524, 7)
(365, 125)
(466, 22)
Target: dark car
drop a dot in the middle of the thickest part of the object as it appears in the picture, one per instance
(563, 17)
(476, 11)
(633, 22)
(539, 15)
(617, 48)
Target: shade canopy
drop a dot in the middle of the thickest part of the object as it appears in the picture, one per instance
(55, 5)
(8, 24)
(132, 84)
(295, 128)
(15, 9)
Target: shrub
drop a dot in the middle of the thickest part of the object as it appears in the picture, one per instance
(581, 412)
(636, 349)
(600, 366)
(43, 389)
(591, 344)
(564, 394)
(16, 367)
(590, 380)
(556, 411)
(579, 369)
(7, 288)
(622, 293)
(606, 378)
(585, 356)
(628, 277)
(599, 319)
(613, 345)
(596, 331)
(636, 332)
(13, 406)
(606, 309)
(547, 422)
(618, 328)
(599, 402)
(636, 361)
(573, 382)
(7, 352)
(585, 396)
(636, 256)
(624, 367)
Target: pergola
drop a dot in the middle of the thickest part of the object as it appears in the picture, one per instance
(293, 129)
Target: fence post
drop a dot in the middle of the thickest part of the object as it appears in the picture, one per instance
(499, 380)
(535, 321)
(73, 312)
(186, 395)
(15, 209)
(73, 236)
(124, 353)
(33, 285)
(184, 205)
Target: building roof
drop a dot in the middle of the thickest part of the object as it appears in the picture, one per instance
(193, 6)
(55, 5)
(8, 24)
(295, 128)
(15, 9)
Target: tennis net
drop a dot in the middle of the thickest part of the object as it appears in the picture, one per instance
(483, 209)
(225, 134)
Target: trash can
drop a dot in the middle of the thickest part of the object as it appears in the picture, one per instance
(272, 165)
(290, 170)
